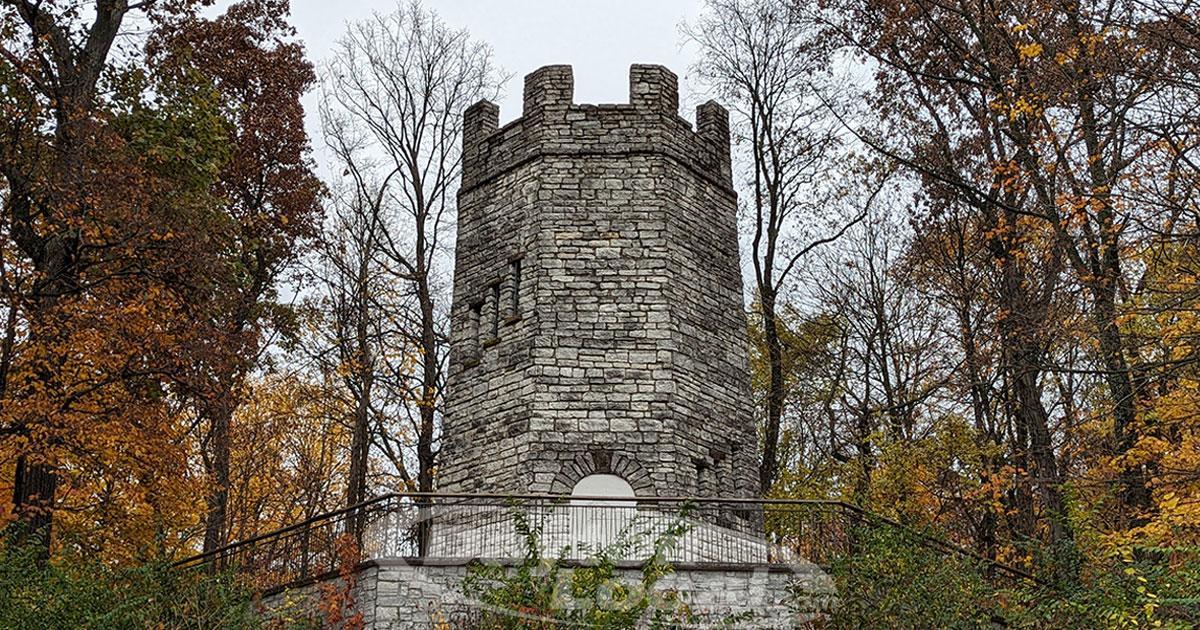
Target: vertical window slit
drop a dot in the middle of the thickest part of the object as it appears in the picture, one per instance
(476, 317)
(515, 305)
(496, 311)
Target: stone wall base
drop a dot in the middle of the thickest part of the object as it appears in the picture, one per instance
(403, 594)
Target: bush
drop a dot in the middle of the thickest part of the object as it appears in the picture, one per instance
(83, 594)
(893, 582)
(538, 592)
(1132, 588)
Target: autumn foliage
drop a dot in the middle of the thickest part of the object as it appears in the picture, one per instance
(974, 236)
(1004, 350)
(153, 191)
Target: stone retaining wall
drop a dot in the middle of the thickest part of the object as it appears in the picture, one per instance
(402, 595)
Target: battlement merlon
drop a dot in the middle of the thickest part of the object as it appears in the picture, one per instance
(654, 88)
(553, 125)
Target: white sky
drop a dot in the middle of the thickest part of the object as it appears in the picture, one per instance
(600, 38)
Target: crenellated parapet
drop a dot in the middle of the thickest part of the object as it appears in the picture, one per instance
(552, 124)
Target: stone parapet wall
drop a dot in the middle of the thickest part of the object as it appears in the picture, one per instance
(553, 125)
(398, 595)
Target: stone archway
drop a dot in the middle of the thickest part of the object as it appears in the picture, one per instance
(603, 462)
(596, 523)
(589, 524)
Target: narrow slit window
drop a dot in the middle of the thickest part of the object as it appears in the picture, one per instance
(701, 476)
(496, 311)
(476, 317)
(515, 304)
(733, 460)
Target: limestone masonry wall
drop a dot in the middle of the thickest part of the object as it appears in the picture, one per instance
(597, 321)
(401, 596)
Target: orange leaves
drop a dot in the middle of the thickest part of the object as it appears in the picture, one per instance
(125, 230)
(1008, 176)
(337, 602)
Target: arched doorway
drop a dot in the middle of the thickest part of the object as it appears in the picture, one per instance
(595, 522)
(600, 485)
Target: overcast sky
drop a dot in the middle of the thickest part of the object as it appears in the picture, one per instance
(600, 38)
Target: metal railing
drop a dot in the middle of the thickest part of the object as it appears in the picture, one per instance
(463, 527)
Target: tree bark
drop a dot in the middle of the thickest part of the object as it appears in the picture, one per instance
(360, 444)
(1023, 328)
(775, 394)
(220, 415)
(33, 501)
(70, 75)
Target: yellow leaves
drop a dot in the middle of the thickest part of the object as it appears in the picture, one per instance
(1024, 106)
(1146, 449)
(288, 452)
(1092, 40)
(914, 478)
(1031, 50)
(1068, 56)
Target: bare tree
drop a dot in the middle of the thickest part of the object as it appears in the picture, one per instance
(392, 114)
(764, 58)
(894, 367)
(351, 309)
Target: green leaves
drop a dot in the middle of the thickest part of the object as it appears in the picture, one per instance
(541, 592)
(86, 594)
(892, 582)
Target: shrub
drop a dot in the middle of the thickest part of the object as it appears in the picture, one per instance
(891, 581)
(85, 594)
(1132, 588)
(542, 592)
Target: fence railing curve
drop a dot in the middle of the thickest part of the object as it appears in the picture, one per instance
(449, 526)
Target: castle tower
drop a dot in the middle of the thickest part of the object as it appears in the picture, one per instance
(597, 321)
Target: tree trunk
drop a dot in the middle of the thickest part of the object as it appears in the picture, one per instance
(360, 444)
(430, 377)
(985, 425)
(33, 501)
(1103, 277)
(356, 486)
(1134, 493)
(1031, 413)
(36, 481)
(221, 417)
(1023, 328)
(1022, 331)
(775, 394)
(1020, 497)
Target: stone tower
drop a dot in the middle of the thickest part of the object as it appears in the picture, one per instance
(597, 320)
